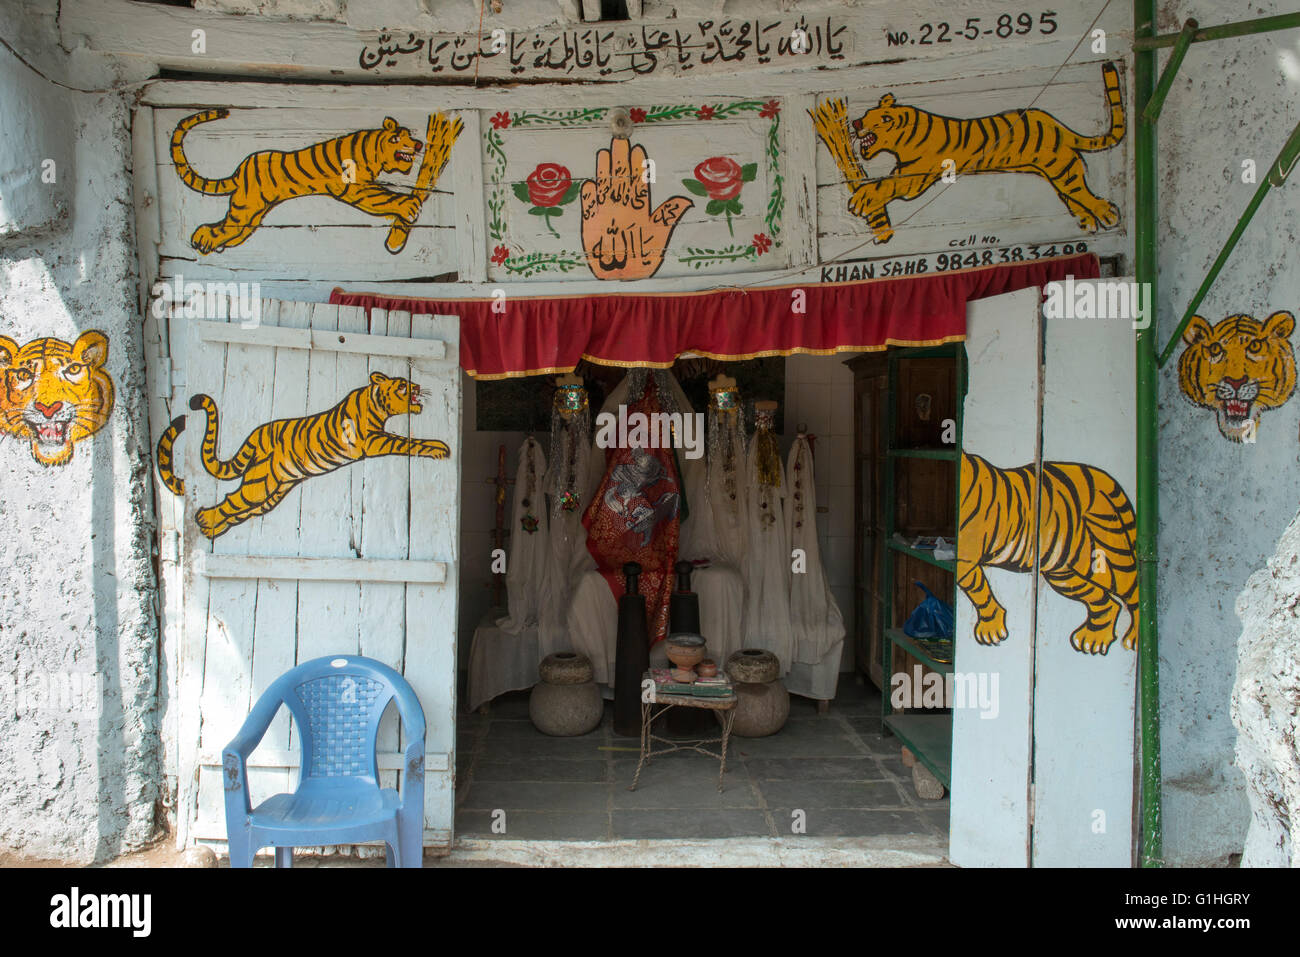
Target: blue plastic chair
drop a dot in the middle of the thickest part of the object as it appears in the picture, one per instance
(336, 703)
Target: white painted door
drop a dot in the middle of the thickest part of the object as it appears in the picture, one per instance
(1084, 701)
(989, 817)
(361, 559)
(1050, 779)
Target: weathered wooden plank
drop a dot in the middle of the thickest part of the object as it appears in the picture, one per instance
(799, 146)
(244, 404)
(385, 502)
(756, 49)
(322, 235)
(322, 569)
(435, 535)
(465, 179)
(353, 343)
(1084, 796)
(327, 615)
(977, 209)
(991, 735)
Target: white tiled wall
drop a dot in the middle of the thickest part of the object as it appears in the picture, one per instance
(819, 396)
(478, 512)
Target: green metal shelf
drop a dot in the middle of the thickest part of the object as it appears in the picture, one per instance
(918, 650)
(948, 455)
(929, 737)
(923, 555)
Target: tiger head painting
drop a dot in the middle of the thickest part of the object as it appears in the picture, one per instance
(1240, 368)
(53, 395)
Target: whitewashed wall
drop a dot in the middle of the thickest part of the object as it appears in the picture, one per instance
(81, 773)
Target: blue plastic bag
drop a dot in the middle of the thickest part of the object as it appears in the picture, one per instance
(930, 619)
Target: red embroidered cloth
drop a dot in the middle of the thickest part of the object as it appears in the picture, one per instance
(635, 518)
(537, 335)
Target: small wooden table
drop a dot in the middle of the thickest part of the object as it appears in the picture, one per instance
(726, 704)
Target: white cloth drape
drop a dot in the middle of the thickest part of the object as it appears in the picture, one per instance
(529, 551)
(767, 565)
(815, 619)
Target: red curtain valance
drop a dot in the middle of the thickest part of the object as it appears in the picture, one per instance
(536, 335)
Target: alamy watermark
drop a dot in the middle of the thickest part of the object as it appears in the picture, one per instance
(960, 689)
(1099, 299)
(208, 300)
(655, 430)
(78, 694)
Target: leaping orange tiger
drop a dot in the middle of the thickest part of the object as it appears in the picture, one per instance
(1084, 542)
(279, 455)
(346, 168)
(927, 145)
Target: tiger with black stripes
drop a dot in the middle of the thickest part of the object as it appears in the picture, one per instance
(279, 455)
(928, 145)
(1084, 544)
(346, 168)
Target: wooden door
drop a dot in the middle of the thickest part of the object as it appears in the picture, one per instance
(359, 560)
(1085, 700)
(991, 757)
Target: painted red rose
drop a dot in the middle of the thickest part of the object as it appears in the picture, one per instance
(770, 109)
(704, 113)
(761, 243)
(721, 178)
(637, 114)
(501, 120)
(500, 254)
(547, 184)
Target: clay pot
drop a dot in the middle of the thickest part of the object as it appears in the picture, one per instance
(753, 665)
(684, 676)
(762, 703)
(761, 709)
(565, 668)
(707, 668)
(567, 702)
(686, 650)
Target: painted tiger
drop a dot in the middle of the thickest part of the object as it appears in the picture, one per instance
(345, 168)
(1240, 368)
(1021, 141)
(279, 455)
(1085, 544)
(55, 394)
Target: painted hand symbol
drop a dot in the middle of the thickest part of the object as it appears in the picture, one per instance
(621, 235)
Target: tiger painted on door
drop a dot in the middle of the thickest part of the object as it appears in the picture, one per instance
(1017, 141)
(346, 168)
(279, 455)
(1085, 544)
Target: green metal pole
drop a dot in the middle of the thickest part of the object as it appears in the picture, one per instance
(1276, 176)
(1157, 101)
(1285, 21)
(1145, 249)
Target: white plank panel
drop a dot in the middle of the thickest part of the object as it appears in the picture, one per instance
(245, 404)
(431, 609)
(325, 519)
(350, 343)
(310, 235)
(385, 505)
(989, 822)
(998, 209)
(347, 570)
(1084, 748)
